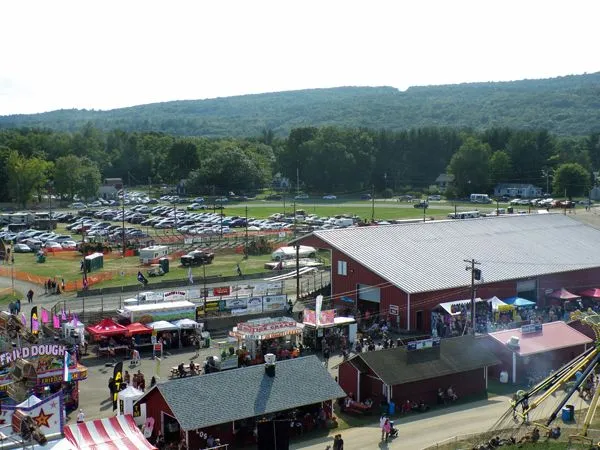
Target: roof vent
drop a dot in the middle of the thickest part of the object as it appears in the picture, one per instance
(513, 342)
(270, 364)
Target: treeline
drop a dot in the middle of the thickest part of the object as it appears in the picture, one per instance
(326, 160)
(566, 106)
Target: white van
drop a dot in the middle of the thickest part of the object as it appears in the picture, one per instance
(480, 198)
(344, 222)
(464, 215)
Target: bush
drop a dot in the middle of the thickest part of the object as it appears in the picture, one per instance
(387, 193)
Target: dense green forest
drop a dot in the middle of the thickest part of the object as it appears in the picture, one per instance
(567, 106)
(327, 160)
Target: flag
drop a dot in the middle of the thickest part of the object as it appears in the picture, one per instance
(45, 316)
(55, 321)
(34, 319)
(63, 315)
(318, 307)
(23, 319)
(67, 363)
(190, 276)
(74, 321)
(142, 279)
(118, 379)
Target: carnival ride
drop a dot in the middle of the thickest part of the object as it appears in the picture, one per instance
(531, 417)
(13, 327)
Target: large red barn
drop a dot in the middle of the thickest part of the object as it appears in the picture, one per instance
(404, 271)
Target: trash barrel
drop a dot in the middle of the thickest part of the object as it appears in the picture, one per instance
(164, 264)
(568, 413)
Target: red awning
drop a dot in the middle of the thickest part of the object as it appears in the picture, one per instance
(107, 327)
(563, 294)
(138, 328)
(592, 293)
(114, 433)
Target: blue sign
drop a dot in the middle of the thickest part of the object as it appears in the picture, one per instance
(347, 299)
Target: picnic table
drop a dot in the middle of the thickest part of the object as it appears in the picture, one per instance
(107, 350)
(186, 368)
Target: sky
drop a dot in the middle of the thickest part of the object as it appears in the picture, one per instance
(107, 54)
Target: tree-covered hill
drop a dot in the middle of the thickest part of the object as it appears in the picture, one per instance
(566, 106)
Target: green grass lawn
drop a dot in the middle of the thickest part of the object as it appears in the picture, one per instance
(223, 264)
(7, 295)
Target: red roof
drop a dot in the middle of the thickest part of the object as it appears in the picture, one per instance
(593, 293)
(107, 327)
(110, 433)
(554, 336)
(138, 328)
(563, 294)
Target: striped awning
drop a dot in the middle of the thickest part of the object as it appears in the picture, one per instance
(114, 433)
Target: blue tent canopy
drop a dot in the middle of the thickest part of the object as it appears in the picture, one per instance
(518, 301)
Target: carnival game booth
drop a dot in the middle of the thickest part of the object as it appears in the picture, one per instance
(40, 369)
(337, 332)
(109, 337)
(278, 336)
(450, 319)
(529, 353)
(284, 397)
(569, 301)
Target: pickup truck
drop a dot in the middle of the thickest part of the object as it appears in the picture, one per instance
(197, 258)
(423, 204)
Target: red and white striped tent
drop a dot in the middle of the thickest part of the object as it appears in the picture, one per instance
(114, 433)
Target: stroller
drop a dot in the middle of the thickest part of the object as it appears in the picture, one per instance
(393, 430)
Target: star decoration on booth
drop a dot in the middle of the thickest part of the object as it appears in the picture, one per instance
(42, 419)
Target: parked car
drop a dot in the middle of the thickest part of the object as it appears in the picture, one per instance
(366, 197)
(422, 204)
(329, 197)
(22, 248)
(197, 257)
(301, 197)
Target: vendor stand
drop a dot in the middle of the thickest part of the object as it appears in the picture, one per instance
(449, 319)
(140, 335)
(269, 335)
(46, 363)
(337, 332)
(165, 330)
(109, 336)
(189, 331)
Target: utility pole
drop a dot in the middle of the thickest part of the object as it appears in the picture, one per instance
(475, 275)
(295, 222)
(297, 271)
(246, 247)
(123, 218)
(372, 203)
(297, 180)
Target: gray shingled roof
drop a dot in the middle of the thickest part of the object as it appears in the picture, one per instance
(222, 397)
(428, 256)
(397, 366)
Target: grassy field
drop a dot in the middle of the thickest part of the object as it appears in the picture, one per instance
(125, 269)
(7, 296)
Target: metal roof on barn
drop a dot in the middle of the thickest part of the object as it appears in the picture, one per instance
(428, 256)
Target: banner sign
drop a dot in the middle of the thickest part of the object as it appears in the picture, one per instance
(222, 290)
(425, 343)
(309, 317)
(174, 296)
(326, 317)
(235, 303)
(264, 325)
(33, 351)
(274, 303)
(532, 328)
(394, 310)
(254, 305)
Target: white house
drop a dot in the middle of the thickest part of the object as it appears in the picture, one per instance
(522, 190)
(444, 181)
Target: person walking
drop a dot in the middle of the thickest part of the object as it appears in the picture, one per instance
(382, 420)
(80, 416)
(18, 306)
(338, 442)
(387, 428)
(30, 296)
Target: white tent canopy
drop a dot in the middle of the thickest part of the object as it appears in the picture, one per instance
(495, 301)
(163, 325)
(31, 401)
(186, 323)
(127, 397)
(447, 306)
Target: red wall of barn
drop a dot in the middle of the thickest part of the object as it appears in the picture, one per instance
(465, 384)
(574, 282)
(347, 378)
(155, 404)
